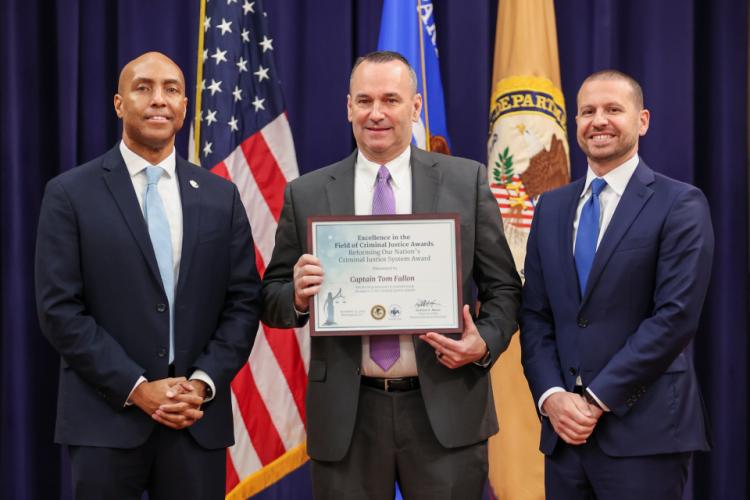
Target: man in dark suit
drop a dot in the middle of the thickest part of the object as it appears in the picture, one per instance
(617, 268)
(145, 275)
(423, 416)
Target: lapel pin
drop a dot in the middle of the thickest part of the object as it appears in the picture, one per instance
(194, 183)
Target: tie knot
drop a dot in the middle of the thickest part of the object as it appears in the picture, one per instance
(597, 185)
(153, 174)
(383, 174)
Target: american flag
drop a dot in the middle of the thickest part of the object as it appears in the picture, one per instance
(241, 133)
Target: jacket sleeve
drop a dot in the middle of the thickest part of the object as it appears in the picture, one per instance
(64, 319)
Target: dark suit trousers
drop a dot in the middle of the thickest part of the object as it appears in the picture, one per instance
(169, 465)
(393, 441)
(585, 472)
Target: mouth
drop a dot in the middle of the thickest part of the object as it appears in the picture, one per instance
(601, 138)
(158, 119)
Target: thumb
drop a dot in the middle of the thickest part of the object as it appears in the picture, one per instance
(468, 321)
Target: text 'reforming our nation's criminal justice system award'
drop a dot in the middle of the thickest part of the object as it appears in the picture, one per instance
(387, 274)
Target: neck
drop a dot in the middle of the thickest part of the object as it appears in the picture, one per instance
(153, 155)
(603, 167)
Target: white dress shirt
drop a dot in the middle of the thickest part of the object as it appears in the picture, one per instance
(169, 191)
(617, 180)
(365, 175)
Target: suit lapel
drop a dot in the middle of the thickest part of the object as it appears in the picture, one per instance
(340, 190)
(425, 183)
(633, 199)
(190, 198)
(118, 182)
(568, 215)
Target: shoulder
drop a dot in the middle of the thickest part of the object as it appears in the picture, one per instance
(317, 179)
(445, 161)
(204, 177)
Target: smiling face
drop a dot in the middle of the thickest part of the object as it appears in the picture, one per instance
(382, 105)
(152, 104)
(610, 121)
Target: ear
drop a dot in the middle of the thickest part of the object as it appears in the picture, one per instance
(643, 118)
(417, 107)
(118, 105)
(184, 107)
(349, 110)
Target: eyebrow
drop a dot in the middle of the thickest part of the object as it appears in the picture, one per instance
(151, 80)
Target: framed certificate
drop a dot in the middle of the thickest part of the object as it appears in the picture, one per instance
(387, 274)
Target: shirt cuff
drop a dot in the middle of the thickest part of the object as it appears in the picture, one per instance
(203, 377)
(598, 401)
(138, 382)
(549, 392)
(484, 361)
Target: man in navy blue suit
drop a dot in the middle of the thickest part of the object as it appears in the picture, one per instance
(617, 268)
(146, 285)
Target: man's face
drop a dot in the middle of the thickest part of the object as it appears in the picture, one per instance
(609, 123)
(151, 102)
(382, 106)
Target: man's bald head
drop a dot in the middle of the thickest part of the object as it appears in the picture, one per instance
(152, 104)
(128, 71)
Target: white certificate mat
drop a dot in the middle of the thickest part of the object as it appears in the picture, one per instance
(387, 274)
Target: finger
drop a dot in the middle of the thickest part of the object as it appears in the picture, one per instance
(191, 399)
(469, 326)
(175, 408)
(441, 342)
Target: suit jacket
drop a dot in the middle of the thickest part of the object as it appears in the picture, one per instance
(459, 402)
(102, 305)
(627, 336)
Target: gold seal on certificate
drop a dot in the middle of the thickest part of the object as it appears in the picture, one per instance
(387, 274)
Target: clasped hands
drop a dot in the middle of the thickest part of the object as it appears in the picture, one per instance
(308, 278)
(572, 417)
(174, 402)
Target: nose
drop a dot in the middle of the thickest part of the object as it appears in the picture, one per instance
(376, 113)
(599, 118)
(158, 98)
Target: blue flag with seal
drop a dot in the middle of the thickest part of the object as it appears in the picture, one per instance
(408, 27)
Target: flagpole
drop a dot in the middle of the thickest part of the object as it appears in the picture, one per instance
(424, 77)
(198, 83)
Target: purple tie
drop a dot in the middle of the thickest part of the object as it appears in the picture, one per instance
(384, 349)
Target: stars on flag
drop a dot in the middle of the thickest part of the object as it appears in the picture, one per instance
(214, 87)
(225, 26)
(262, 73)
(243, 93)
(241, 64)
(266, 43)
(210, 117)
(237, 93)
(258, 104)
(219, 56)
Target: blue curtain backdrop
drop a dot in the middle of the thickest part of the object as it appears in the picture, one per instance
(60, 62)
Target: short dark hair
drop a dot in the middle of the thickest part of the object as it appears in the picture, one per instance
(384, 56)
(614, 74)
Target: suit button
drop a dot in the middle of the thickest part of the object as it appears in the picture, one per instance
(162, 352)
(573, 371)
(161, 307)
(583, 322)
(358, 370)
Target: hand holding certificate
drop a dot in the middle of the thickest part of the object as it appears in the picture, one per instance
(385, 274)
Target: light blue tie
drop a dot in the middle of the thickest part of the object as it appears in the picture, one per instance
(588, 233)
(161, 240)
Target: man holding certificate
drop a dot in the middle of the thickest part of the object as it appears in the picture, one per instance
(413, 408)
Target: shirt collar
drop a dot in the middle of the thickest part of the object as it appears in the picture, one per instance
(399, 168)
(617, 178)
(136, 164)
